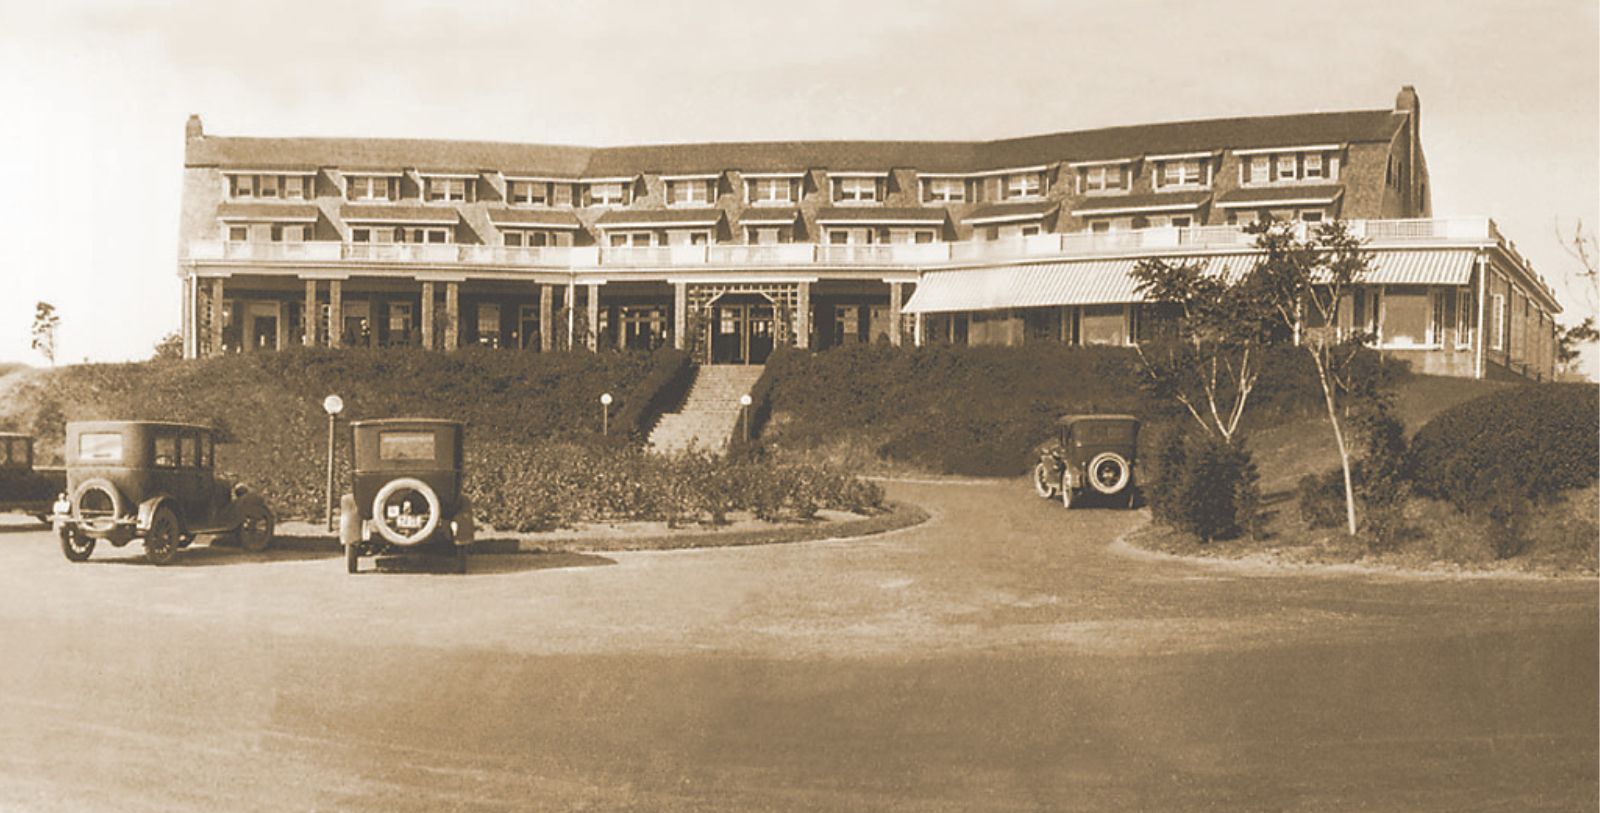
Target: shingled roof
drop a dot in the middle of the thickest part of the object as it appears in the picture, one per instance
(777, 156)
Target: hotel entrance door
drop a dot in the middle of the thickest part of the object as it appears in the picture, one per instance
(741, 330)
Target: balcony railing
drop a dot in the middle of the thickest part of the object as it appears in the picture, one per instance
(908, 256)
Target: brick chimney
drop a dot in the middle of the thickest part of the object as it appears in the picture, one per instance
(1406, 101)
(193, 129)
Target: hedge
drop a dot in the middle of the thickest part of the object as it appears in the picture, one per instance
(1533, 442)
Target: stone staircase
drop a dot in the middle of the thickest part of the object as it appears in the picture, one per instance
(710, 414)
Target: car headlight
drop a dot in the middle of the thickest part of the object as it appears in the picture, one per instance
(62, 506)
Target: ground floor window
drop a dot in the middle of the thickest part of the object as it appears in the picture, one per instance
(1466, 315)
(528, 327)
(644, 327)
(400, 324)
(489, 324)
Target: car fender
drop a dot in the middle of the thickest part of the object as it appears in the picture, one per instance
(147, 511)
(352, 530)
(463, 528)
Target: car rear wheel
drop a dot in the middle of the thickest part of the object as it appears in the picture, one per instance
(75, 546)
(255, 532)
(1044, 481)
(161, 540)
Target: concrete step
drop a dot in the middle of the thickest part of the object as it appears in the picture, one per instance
(710, 413)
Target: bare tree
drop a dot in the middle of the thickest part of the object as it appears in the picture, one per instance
(1586, 250)
(1210, 359)
(45, 323)
(1305, 278)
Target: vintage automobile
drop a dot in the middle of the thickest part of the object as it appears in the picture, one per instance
(406, 492)
(1090, 455)
(154, 481)
(25, 488)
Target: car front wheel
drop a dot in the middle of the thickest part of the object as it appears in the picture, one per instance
(75, 546)
(161, 540)
(1044, 481)
(255, 532)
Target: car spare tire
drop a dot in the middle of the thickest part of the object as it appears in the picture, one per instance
(1109, 472)
(96, 505)
(401, 494)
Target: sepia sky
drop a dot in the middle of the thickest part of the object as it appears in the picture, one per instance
(93, 98)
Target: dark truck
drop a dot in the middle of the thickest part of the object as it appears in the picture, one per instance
(25, 488)
(154, 481)
(406, 492)
(1090, 455)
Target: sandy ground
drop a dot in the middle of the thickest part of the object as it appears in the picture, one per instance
(1002, 656)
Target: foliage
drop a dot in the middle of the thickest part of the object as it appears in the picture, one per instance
(45, 323)
(1380, 477)
(1571, 339)
(1533, 441)
(667, 384)
(169, 348)
(1205, 486)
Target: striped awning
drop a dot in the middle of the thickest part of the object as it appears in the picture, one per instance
(1422, 267)
(1104, 282)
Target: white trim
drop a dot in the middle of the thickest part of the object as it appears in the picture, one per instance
(1305, 148)
(300, 172)
(449, 175)
(758, 175)
(857, 174)
(539, 179)
(1154, 207)
(1101, 162)
(990, 173)
(402, 221)
(618, 179)
(984, 221)
(1273, 204)
(370, 173)
(769, 220)
(707, 176)
(667, 224)
(1181, 156)
(930, 224)
(267, 218)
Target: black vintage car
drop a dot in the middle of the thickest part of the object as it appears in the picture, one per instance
(154, 481)
(1090, 455)
(24, 487)
(406, 496)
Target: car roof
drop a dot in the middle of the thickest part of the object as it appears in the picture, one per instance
(1067, 420)
(116, 424)
(406, 422)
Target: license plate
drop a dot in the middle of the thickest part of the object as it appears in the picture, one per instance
(409, 521)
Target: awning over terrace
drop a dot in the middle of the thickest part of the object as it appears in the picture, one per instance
(1104, 282)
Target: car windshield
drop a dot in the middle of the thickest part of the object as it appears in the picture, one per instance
(405, 446)
(100, 447)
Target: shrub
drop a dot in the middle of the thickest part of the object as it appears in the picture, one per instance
(1205, 487)
(1533, 442)
(1379, 474)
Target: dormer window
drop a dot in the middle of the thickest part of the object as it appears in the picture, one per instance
(1289, 165)
(857, 189)
(944, 190)
(1024, 185)
(1313, 165)
(690, 191)
(528, 193)
(1104, 178)
(267, 186)
(1182, 173)
(447, 189)
(370, 187)
(772, 189)
(1286, 167)
(607, 193)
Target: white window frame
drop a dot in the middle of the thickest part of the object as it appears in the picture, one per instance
(1305, 215)
(856, 189)
(689, 192)
(438, 189)
(1097, 178)
(537, 193)
(1024, 186)
(366, 187)
(1466, 310)
(944, 190)
(1499, 301)
(1436, 322)
(596, 199)
(238, 234)
(1315, 167)
(1293, 163)
(1183, 173)
(241, 186)
(1258, 170)
(770, 191)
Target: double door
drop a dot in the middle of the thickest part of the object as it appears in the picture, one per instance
(741, 332)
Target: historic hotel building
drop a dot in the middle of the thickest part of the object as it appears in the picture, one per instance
(731, 249)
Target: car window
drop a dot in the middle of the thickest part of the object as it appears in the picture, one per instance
(405, 446)
(20, 453)
(206, 450)
(166, 451)
(188, 452)
(100, 447)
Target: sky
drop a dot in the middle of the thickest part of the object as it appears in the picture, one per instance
(94, 95)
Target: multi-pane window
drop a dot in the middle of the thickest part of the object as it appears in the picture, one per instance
(369, 187)
(608, 193)
(527, 238)
(1286, 167)
(855, 189)
(769, 235)
(268, 187)
(1024, 185)
(684, 192)
(1183, 172)
(443, 190)
(489, 324)
(290, 232)
(529, 193)
(1313, 165)
(1499, 341)
(417, 234)
(1103, 178)
(944, 190)
(1465, 311)
(1260, 169)
(238, 234)
(400, 323)
(773, 190)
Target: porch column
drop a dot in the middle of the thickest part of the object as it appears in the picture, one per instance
(547, 301)
(896, 299)
(282, 339)
(335, 313)
(570, 301)
(593, 339)
(187, 319)
(680, 314)
(802, 317)
(916, 329)
(427, 316)
(216, 317)
(452, 315)
(308, 327)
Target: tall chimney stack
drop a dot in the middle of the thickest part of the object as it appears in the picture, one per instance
(193, 129)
